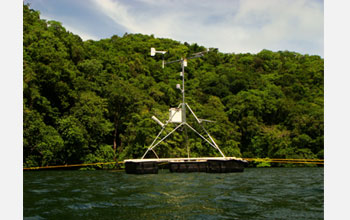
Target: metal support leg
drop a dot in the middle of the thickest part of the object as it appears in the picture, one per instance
(150, 147)
(155, 153)
(167, 135)
(193, 113)
(216, 146)
(201, 136)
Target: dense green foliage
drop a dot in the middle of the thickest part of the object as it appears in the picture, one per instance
(92, 101)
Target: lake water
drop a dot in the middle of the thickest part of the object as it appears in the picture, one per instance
(257, 193)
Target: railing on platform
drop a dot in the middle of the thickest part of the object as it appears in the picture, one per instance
(71, 165)
(285, 160)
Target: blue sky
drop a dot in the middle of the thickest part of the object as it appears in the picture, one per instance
(237, 26)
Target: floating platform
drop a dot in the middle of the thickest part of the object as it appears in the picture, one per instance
(202, 164)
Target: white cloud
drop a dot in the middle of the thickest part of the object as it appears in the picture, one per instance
(232, 26)
(82, 34)
(118, 13)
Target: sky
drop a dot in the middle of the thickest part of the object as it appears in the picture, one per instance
(232, 26)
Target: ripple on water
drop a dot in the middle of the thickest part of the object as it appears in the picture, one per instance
(44, 202)
(36, 217)
(40, 190)
(84, 206)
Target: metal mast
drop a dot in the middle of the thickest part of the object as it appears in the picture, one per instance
(184, 105)
(183, 61)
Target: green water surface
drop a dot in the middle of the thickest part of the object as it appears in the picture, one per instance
(257, 193)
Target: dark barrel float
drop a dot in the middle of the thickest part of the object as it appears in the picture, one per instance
(208, 165)
(141, 167)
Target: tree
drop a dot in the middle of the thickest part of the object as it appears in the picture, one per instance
(86, 101)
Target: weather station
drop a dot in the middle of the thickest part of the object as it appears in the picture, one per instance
(177, 116)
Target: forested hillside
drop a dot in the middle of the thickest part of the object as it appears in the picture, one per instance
(92, 101)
